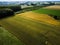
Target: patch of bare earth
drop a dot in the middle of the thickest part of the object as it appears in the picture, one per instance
(39, 17)
(56, 7)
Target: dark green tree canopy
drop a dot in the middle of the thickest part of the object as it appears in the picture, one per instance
(6, 12)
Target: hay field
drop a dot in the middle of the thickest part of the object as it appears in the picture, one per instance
(54, 7)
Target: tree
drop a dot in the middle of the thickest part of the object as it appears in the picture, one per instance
(6, 12)
(15, 8)
(51, 3)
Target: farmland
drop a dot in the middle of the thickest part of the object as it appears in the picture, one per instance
(49, 11)
(7, 38)
(33, 28)
(54, 7)
(53, 11)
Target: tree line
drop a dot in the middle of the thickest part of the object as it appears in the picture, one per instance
(6, 11)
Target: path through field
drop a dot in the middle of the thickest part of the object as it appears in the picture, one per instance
(33, 29)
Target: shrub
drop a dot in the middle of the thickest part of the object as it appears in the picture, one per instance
(57, 17)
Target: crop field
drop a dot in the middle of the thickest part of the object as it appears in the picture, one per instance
(33, 28)
(54, 7)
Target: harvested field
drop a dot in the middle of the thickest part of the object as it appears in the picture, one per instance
(54, 7)
(40, 17)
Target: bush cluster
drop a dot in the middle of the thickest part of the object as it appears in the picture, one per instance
(6, 11)
(14, 8)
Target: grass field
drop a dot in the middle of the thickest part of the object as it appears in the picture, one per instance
(48, 11)
(7, 38)
(33, 28)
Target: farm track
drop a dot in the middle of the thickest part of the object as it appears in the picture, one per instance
(32, 29)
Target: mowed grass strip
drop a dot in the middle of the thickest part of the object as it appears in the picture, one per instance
(30, 31)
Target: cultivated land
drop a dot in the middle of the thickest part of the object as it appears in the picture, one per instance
(48, 11)
(33, 28)
(7, 38)
(55, 7)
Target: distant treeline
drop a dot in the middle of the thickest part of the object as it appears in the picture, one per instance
(5, 13)
(14, 8)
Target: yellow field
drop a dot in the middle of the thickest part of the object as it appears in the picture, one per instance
(40, 17)
(55, 7)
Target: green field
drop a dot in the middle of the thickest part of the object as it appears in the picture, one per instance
(7, 38)
(31, 31)
(48, 11)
